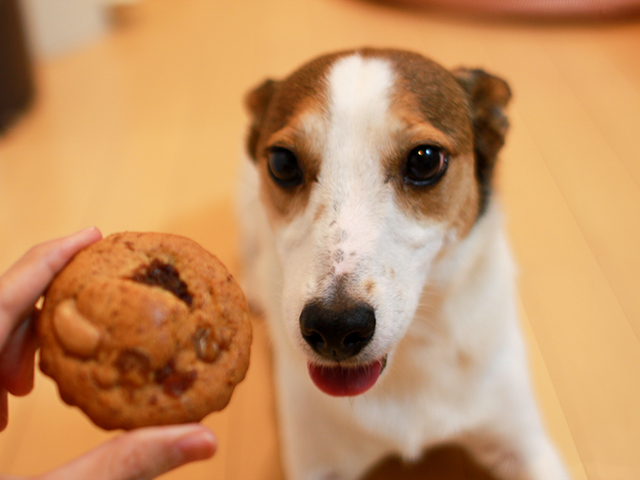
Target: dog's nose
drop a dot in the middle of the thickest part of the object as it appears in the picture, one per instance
(337, 332)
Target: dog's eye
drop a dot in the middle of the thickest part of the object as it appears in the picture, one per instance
(284, 168)
(426, 164)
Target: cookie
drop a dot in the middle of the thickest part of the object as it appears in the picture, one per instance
(145, 329)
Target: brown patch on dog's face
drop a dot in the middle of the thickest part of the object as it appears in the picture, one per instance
(285, 202)
(432, 94)
(280, 111)
(453, 200)
(462, 112)
(369, 286)
(432, 109)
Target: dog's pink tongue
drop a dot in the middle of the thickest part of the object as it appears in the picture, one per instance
(343, 382)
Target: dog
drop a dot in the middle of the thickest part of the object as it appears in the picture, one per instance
(374, 244)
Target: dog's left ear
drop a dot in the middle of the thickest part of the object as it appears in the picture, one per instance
(257, 102)
(488, 97)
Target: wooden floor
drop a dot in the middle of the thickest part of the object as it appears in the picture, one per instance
(142, 130)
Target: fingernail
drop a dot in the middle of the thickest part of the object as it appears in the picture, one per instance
(199, 444)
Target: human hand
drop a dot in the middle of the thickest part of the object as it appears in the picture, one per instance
(142, 454)
(20, 288)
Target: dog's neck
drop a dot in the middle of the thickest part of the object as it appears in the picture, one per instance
(475, 274)
(464, 264)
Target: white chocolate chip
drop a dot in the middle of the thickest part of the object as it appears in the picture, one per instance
(77, 335)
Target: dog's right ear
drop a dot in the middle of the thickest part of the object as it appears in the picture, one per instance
(257, 102)
(488, 98)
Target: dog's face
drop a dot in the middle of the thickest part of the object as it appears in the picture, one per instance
(373, 163)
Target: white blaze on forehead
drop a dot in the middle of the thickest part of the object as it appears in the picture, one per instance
(351, 175)
(359, 89)
(359, 121)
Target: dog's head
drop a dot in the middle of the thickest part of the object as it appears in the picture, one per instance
(373, 163)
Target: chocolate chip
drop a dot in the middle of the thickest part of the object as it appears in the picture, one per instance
(134, 367)
(163, 275)
(162, 373)
(174, 383)
(205, 344)
(179, 382)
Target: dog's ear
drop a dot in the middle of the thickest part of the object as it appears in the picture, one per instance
(488, 97)
(257, 102)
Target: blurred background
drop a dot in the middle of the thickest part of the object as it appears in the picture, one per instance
(128, 115)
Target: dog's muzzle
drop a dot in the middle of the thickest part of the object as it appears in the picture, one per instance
(337, 332)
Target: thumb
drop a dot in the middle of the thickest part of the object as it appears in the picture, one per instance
(140, 454)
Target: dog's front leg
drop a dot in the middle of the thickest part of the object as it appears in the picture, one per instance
(319, 439)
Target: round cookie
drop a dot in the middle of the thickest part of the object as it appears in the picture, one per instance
(145, 329)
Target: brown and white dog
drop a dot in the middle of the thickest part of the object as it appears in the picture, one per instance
(376, 249)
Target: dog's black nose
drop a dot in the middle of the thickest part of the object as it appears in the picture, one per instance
(337, 332)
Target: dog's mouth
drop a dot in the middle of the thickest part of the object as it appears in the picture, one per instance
(346, 381)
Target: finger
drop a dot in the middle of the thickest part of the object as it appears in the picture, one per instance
(17, 359)
(4, 409)
(141, 454)
(26, 280)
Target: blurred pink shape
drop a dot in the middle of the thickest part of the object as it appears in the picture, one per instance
(532, 8)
